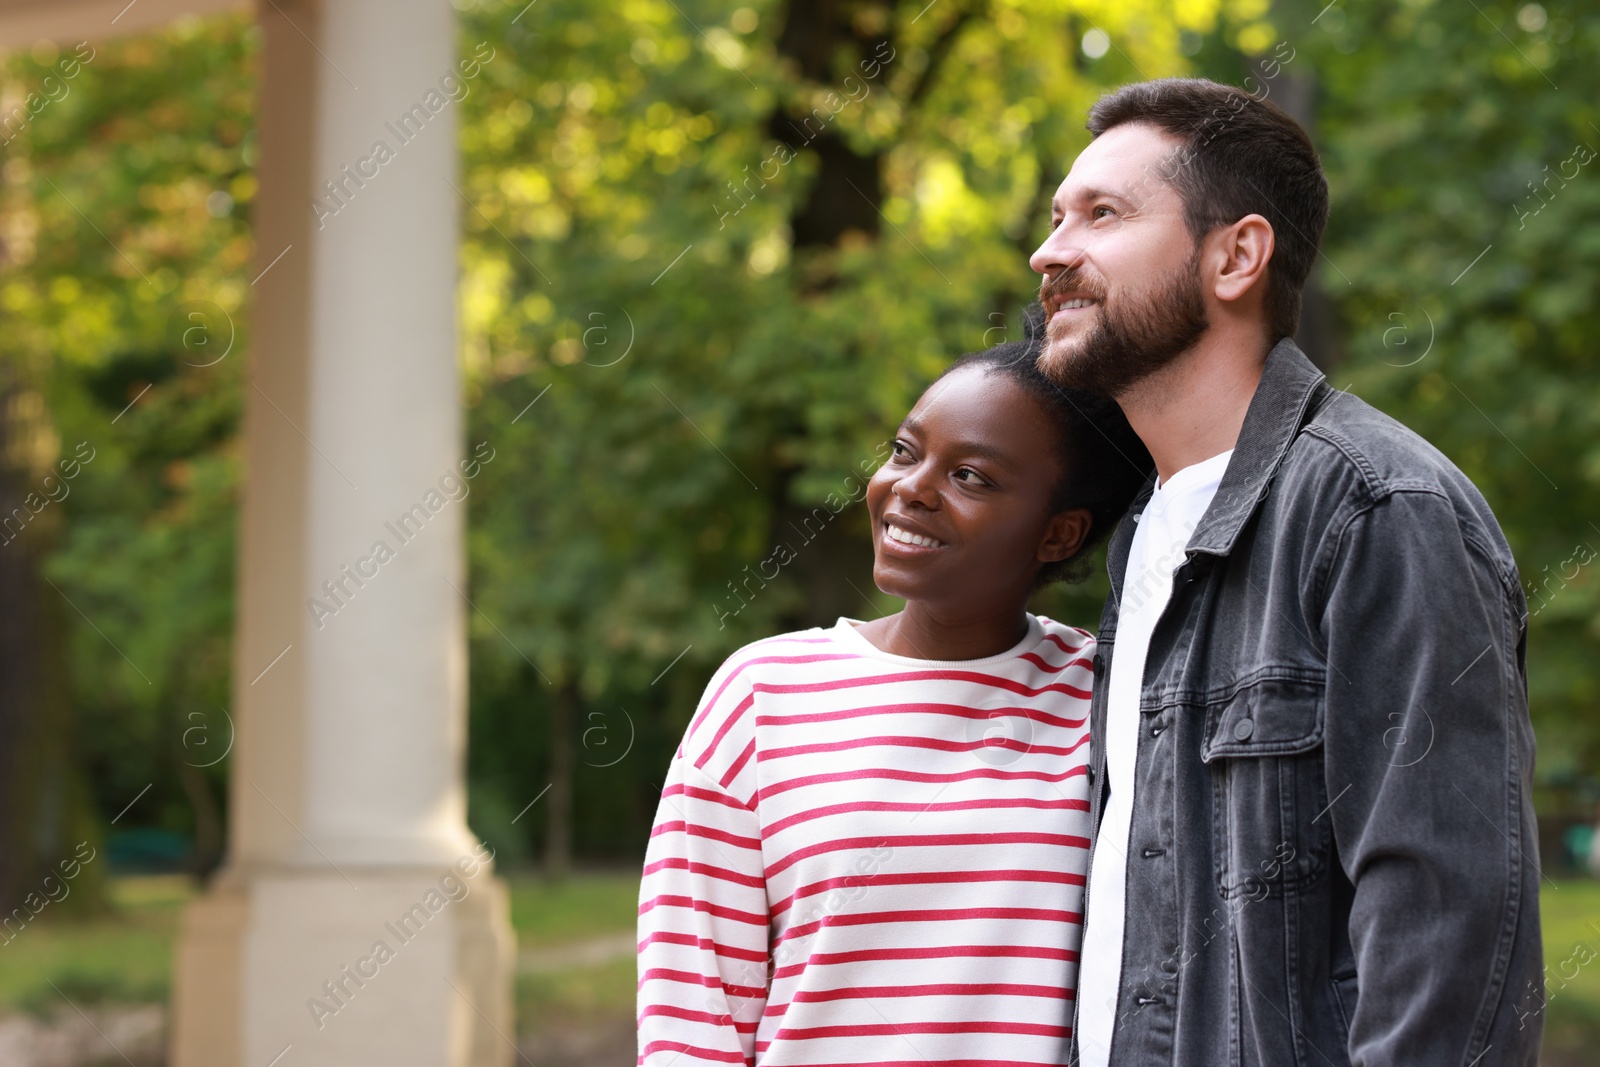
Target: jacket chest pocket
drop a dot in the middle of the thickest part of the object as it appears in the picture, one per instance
(1264, 748)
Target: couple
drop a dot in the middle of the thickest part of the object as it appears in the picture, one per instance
(1304, 835)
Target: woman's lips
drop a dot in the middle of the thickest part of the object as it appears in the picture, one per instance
(899, 541)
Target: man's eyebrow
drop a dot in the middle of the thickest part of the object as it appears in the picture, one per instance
(1090, 192)
(969, 448)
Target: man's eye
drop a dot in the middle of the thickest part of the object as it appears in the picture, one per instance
(1101, 211)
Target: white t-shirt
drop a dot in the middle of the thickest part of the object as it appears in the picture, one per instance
(1163, 533)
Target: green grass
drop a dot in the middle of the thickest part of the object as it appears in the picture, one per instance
(1570, 913)
(126, 956)
(123, 957)
(576, 999)
(578, 908)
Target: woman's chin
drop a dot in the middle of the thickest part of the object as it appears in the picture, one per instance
(892, 580)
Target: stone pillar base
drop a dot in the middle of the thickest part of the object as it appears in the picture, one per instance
(300, 968)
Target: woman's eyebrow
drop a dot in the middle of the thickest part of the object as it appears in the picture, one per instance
(968, 448)
(988, 452)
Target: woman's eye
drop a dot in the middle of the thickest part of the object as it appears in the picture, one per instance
(971, 477)
(900, 451)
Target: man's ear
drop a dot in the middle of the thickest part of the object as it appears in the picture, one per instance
(1243, 250)
(1065, 534)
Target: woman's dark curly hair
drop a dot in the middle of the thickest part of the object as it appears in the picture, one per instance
(1104, 463)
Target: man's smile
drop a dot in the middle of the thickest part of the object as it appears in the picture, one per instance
(1062, 307)
(1059, 300)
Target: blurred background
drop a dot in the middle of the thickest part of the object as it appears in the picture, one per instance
(710, 253)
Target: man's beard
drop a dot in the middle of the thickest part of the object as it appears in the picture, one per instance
(1135, 337)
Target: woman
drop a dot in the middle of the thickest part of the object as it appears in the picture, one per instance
(872, 843)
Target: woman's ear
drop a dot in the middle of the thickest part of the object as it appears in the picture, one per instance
(1065, 534)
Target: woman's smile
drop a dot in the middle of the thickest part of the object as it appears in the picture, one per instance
(907, 540)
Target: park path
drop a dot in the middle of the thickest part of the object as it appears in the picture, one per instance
(607, 1043)
(137, 1033)
(592, 953)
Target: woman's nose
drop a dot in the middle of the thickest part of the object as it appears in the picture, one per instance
(913, 486)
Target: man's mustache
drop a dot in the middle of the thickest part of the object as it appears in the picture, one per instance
(1071, 280)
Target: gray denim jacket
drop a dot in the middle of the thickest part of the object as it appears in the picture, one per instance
(1333, 856)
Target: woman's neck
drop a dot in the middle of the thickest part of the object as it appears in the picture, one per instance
(924, 631)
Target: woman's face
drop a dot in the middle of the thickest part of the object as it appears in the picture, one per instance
(961, 510)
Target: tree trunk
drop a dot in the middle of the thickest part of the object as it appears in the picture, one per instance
(848, 189)
(558, 838)
(43, 812)
(207, 855)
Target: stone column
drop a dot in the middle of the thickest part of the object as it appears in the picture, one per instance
(354, 921)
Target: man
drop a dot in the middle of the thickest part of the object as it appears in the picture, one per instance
(1314, 839)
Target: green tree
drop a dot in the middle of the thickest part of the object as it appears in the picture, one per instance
(712, 253)
(1462, 257)
(719, 250)
(127, 244)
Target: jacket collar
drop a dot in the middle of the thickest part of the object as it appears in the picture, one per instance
(1289, 385)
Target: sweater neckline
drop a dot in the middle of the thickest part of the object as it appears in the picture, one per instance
(846, 633)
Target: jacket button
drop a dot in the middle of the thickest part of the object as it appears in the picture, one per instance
(1243, 729)
(1099, 666)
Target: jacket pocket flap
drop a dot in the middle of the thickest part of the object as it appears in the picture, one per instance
(1272, 717)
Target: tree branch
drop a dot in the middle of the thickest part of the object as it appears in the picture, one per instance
(937, 53)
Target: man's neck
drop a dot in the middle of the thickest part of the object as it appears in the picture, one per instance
(1193, 408)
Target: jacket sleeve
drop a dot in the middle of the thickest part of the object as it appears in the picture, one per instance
(703, 920)
(1428, 762)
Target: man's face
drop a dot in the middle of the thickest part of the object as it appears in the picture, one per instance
(1121, 290)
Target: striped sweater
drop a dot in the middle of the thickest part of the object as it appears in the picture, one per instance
(861, 858)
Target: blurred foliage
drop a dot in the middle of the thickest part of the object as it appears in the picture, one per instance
(683, 327)
(123, 208)
(733, 243)
(1450, 136)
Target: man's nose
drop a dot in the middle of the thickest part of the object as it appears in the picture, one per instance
(1058, 252)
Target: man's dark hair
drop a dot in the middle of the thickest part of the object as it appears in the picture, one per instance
(1241, 156)
(1103, 462)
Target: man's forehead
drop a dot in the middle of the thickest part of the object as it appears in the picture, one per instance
(1124, 161)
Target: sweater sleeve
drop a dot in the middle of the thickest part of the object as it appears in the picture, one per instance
(703, 917)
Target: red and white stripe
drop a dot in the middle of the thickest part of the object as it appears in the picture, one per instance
(861, 858)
